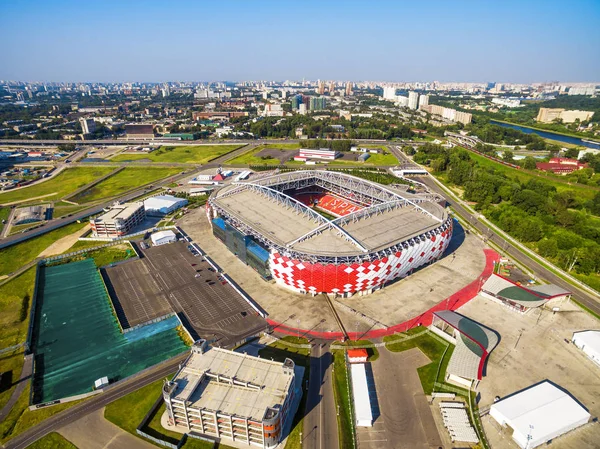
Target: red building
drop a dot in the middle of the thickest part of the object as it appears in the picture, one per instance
(561, 165)
(357, 355)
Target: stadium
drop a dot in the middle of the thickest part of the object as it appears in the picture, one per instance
(328, 232)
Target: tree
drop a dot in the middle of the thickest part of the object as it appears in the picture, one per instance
(529, 163)
(508, 156)
(572, 153)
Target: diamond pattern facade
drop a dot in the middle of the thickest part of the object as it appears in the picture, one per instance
(307, 277)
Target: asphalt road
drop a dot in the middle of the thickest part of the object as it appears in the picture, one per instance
(582, 296)
(55, 224)
(94, 403)
(320, 422)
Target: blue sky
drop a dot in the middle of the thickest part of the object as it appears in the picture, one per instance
(452, 40)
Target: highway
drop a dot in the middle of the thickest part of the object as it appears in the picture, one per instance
(94, 403)
(589, 300)
(55, 224)
(320, 422)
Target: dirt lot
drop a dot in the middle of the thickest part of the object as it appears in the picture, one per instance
(282, 155)
(533, 348)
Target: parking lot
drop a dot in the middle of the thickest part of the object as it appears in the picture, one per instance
(176, 278)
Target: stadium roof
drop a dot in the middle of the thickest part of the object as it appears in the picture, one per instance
(386, 217)
(197, 383)
(540, 412)
(526, 297)
(472, 348)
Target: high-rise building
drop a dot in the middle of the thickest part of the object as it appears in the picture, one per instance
(296, 101)
(317, 104)
(423, 100)
(348, 88)
(389, 93)
(88, 125)
(321, 87)
(331, 88)
(413, 100)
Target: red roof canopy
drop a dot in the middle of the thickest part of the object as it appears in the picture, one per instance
(357, 353)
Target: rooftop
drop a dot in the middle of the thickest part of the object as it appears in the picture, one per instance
(233, 383)
(119, 211)
(387, 219)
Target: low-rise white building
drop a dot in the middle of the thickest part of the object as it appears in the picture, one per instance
(589, 343)
(163, 237)
(163, 204)
(539, 414)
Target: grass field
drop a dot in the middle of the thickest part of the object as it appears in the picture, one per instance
(129, 411)
(52, 441)
(197, 154)
(4, 214)
(16, 229)
(61, 211)
(342, 400)
(523, 176)
(65, 182)
(21, 418)
(434, 349)
(102, 256)
(15, 256)
(125, 180)
(13, 329)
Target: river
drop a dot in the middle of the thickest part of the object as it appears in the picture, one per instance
(548, 135)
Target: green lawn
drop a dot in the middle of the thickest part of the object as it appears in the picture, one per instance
(13, 329)
(129, 411)
(62, 211)
(342, 400)
(21, 418)
(4, 213)
(585, 192)
(10, 365)
(432, 348)
(102, 256)
(15, 256)
(123, 181)
(20, 228)
(372, 352)
(198, 154)
(52, 441)
(65, 182)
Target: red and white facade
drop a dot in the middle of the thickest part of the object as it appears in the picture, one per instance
(313, 278)
(321, 153)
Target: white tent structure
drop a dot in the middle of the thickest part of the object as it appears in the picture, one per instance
(589, 343)
(163, 204)
(539, 414)
(360, 394)
(163, 237)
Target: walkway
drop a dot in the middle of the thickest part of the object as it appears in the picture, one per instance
(22, 383)
(106, 435)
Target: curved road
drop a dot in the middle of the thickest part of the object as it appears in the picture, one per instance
(94, 403)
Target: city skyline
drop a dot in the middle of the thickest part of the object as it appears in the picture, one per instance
(112, 42)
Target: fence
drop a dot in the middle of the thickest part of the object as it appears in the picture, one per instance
(139, 430)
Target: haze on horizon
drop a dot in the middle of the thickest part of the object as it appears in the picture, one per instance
(154, 41)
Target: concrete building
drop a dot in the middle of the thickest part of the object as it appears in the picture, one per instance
(448, 113)
(413, 100)
(139, 131)
(423, 100)
(163, 204)
(273, 110)
(119, 220)
(549, 115)
(163, 237)
(348, 91)
(231, 396)
(321, 153)
(30, 214)
(539, 414)
(88, 125)
(389, 93)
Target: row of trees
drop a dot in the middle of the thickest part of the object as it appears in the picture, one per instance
(560, 225)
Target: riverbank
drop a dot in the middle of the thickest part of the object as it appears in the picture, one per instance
(551, 135)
